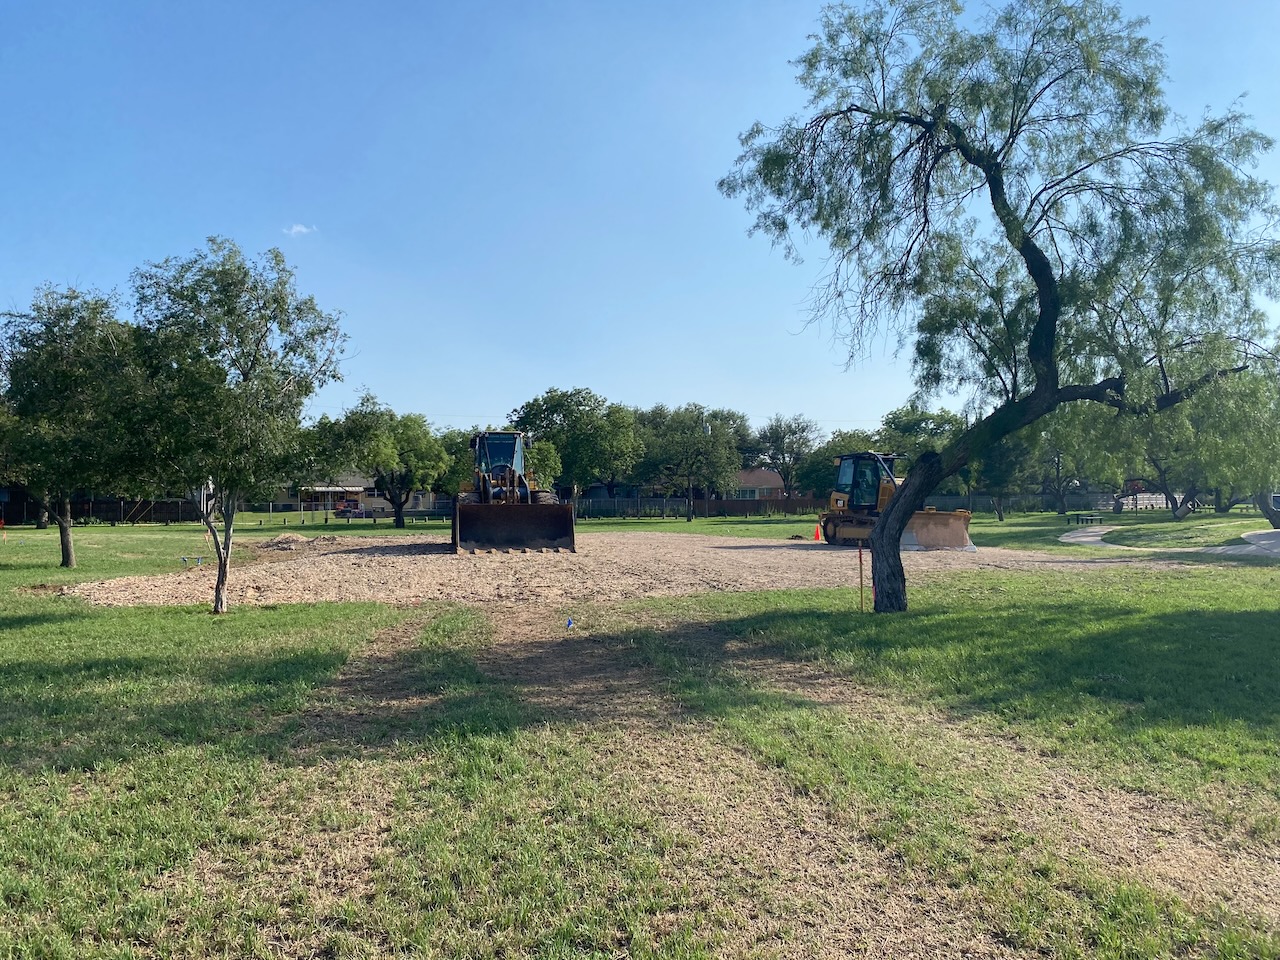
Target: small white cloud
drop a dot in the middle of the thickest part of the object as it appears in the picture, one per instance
(299, 230)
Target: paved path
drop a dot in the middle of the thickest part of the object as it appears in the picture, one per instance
(1262, 543)
(1268, 540)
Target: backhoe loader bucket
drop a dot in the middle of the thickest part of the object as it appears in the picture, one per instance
(930, 529)
(518, 526)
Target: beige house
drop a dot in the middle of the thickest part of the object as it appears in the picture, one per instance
(348, 492)
(760, 483)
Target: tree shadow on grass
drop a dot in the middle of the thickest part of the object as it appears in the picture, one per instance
(412, 699)
(82, 712)
(1127, 671)
(397, 695)
(1130, 673)
(20, 621)
(400, 699)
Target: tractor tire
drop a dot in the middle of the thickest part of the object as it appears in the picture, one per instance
(829, 529)
(545, 496)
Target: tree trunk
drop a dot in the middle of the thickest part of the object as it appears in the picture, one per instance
(998, 503)
(1117, 503)
(888, 578)
(64, 534)
(1162, 484)
(1060, 497)
(1221, 504)
(1187, 505)
(42, 514)
(1264, 503)
(397, 507)
(222, 547)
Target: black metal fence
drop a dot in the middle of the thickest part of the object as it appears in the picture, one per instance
(20, 509)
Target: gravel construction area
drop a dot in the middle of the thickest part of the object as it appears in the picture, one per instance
(608, 566)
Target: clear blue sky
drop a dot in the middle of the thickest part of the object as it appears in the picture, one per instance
(500, 197)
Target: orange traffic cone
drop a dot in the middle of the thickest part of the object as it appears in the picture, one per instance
(817, 532)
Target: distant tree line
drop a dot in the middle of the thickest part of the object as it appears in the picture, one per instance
(201, 393)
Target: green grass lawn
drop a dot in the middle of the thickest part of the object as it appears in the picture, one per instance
(178, 784)
(153, 799)
(1197, 530)
(1154, 529)
(945, 813)
(1167, 681)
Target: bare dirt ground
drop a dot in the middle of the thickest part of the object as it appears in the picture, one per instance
(607, 567)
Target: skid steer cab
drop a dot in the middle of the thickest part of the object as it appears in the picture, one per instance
(864, 485)
(502, 507)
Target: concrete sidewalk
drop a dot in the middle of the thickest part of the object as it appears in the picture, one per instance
(1268, 540)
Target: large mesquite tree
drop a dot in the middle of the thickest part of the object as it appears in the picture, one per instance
(1016, 199)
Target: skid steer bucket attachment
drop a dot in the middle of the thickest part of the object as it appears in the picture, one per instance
(930, 529)
(523, 526)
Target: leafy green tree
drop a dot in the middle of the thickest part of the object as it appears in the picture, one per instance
(397, 450)
(1255, 465)
(912, 431)
(1158, 453)
(65, 377)
(652, 471)
(785, 443)
(1073, 448)
(698, 450)
(327, 451)
(816, 475)
(745, 439)
(1005, 469)
(596, 440)
(621, 446)
(235, 352)
(686, 450)
(1219, 445)
(457, 445)
(1015, 198)
(543, 461)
